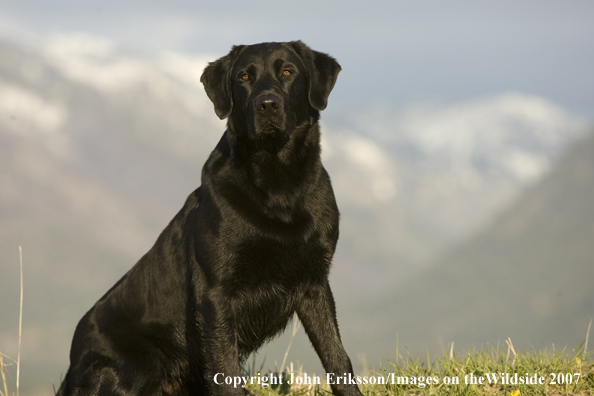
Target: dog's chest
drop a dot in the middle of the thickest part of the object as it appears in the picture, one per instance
(262, 262)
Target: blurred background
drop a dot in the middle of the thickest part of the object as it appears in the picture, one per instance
(458, 138)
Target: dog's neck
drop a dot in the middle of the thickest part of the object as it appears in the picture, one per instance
(271, 183)
(277, 156)
(276, 174)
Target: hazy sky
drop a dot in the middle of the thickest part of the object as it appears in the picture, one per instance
(393, 52)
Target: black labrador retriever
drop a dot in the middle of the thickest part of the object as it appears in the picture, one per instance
(251, 246)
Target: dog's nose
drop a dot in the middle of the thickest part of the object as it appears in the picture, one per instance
(267, 104)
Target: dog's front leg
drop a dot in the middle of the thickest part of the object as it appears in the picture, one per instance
(317, 312)
(222, 372)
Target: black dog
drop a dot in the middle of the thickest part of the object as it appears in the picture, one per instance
(250, 247)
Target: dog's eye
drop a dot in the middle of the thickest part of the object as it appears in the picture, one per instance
(245, 77)
(287, 73)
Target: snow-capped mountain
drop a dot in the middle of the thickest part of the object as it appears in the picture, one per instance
(438, 173)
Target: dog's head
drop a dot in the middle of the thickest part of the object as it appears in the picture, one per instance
(269, 89)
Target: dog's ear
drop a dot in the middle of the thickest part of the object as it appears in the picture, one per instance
(322, 71)
(216, 79)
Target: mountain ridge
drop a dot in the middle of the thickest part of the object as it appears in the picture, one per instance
(528, 276)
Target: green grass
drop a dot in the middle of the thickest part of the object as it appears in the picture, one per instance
(475, 362)
(494, 360)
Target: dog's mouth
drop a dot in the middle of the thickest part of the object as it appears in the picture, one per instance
(269, 137)
(268, 129)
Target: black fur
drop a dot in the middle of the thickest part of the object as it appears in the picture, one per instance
(250, 247)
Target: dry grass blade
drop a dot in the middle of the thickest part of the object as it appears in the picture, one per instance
(3, 374)
(2, 356)
(510, 347)
(587, 335)
(296, 325)
(20, 326)
(452, 351)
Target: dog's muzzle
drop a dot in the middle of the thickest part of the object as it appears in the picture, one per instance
(268, 105)
(269, 115)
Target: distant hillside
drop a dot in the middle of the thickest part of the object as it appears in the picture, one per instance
(530, 276)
